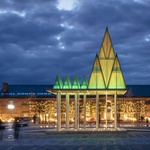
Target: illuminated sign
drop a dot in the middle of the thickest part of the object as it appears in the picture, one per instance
(25, 94)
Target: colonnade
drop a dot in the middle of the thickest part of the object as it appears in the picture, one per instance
(76, 116)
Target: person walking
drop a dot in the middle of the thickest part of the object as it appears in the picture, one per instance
(1, 130)
(147, 122)
(16, 127)
(34, 119)
(0, 122)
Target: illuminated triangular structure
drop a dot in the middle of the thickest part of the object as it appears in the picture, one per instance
(107, 46)
(76, 84)
(58, 83)
(84, 83)
(116, 78)
(102, 75)
(106, 79)
(106, 72)
(106, 57)
(67, 83)
(96, 79)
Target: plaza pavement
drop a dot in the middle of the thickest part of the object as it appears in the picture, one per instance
(36, 138)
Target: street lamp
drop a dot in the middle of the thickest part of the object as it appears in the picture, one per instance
(10, 105)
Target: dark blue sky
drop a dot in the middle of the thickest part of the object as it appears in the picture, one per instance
(42, 38)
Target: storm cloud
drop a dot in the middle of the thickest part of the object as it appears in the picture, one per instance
(42, 38)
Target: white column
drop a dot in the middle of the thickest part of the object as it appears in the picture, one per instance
(58, 111)
(106, 110)
(67, 111)
(115, 110)
(97, 111)
(84, 110)
(76, 112)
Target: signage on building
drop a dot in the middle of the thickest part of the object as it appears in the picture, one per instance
(26, 94)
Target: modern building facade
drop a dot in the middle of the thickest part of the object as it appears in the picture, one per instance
(106, 79)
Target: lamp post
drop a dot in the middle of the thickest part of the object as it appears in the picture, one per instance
(10, 105)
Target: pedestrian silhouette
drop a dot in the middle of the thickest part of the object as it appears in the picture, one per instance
(0, 122)
(34, 118)
(142, 118)
(16, 127)
(1, 130)
(147, 122)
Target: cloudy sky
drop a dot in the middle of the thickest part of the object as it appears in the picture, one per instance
(42, 38)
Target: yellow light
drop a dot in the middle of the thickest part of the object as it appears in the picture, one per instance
(10, 106)
(11, 120)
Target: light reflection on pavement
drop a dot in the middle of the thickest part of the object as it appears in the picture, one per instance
(33, 138)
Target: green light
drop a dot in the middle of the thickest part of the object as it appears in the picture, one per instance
(58, 83)
(84, 83)
(116, 80)
(76, 84)
(67, 83)
(96, 79)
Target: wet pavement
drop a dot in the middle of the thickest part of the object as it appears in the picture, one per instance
(35, 138)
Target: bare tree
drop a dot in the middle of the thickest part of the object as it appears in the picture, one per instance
(39, 106)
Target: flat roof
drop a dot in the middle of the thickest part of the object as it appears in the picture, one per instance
(41, 91)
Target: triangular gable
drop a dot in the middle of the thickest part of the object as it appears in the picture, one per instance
(106, 57)
(116, 79)
(111, 53)
(101, 54)
(96, 78)
(84, 83)
(76, 84)
(58, 83)
(67, 83)
(106, 44)
(106, 66)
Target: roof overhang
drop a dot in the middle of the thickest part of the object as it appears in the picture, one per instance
(88, 91)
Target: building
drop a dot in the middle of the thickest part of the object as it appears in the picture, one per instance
(106, 79)
(105, 100)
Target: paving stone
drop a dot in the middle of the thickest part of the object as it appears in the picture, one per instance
(40, 140)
